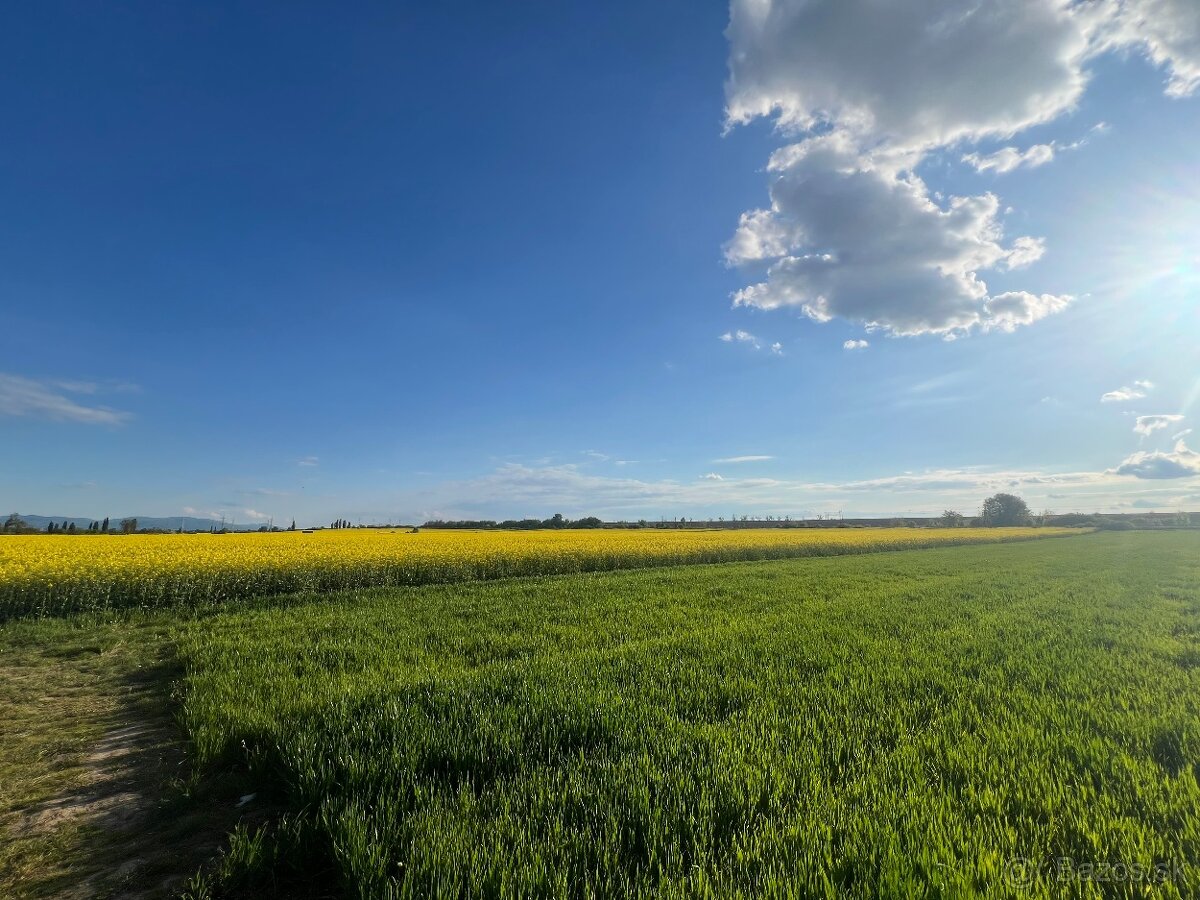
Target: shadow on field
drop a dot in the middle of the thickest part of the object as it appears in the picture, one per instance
(135, 823)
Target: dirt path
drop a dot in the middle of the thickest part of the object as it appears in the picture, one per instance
(94, 800)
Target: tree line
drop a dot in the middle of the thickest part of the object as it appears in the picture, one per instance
(555, 521)
(14, 524)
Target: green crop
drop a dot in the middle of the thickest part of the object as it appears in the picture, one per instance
(943, 723)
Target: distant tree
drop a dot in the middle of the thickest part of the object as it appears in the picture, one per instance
(556, 521)
(65, 524)
(71, 528)
(953, 519)
(129, 526)
(293, 527)
(588, 522)
(1004, 510)
(49, 528)
(104, 524)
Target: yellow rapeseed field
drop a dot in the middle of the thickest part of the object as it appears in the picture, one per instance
(53, 574)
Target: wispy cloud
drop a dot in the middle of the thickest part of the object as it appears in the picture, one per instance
(516, 489)
(856, 345)
(742, 459)
(28, 397)
(741, 337)
(1147, 425)
(1135, 391)
(1006, 159)
(308, 461)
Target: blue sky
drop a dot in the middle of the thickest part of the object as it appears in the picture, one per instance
(400, 261)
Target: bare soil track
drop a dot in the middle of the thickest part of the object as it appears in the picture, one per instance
(99, 803)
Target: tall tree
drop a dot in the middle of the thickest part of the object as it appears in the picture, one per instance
(1005, 510)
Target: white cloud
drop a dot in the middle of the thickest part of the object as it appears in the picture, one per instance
(870, 88)
(1168, 31)
(1005, 312)
(1147, 425)
(712, 476)
(308, 461)
(1181, 435)
(873, 247)
(27, 397)
(856, 345)
(1025, 251)
(741, 337)
(1135, 391)
(777, 348)
(1179, 463)
(759, 235)
(921, 73)
(742, 459)
(1006, 159)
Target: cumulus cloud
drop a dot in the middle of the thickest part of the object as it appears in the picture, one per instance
(777, 348)
(1168, 32)
(1147, 425)
(921, 73)
(1181, 462)
(856, 345)
(27, 397)
(869, 89)
(870, 245)
(1135, 391)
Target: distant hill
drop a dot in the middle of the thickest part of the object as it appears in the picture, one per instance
(172, 523)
